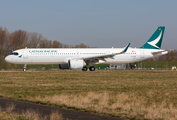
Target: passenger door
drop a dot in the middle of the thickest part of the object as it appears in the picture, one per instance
(25, 54)
(141, 53)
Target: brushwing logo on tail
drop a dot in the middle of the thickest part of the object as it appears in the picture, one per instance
(154, 42)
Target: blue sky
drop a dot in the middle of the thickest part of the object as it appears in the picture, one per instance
(97, 23)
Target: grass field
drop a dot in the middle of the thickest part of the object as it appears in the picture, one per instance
(7, 66)
(145, 64)
(131, 94)
(158, 64)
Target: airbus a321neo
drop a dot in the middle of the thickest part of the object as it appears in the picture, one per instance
(79, 58)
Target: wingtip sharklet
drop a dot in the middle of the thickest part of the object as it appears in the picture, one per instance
(126, 48)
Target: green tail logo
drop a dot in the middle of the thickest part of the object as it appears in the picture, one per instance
(155, 40)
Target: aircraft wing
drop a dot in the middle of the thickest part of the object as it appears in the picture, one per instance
(102, 57)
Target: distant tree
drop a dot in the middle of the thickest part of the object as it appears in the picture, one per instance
(161, 58)
(49, 44)
(170, 56)
(66, 46)
(19, 39)
(45, 43)
(5, 43)
(71, 46)
(57, 44)
(2, 40)
(81, 45)
(34, 39)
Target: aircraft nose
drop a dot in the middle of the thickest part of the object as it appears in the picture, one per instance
(7, 59)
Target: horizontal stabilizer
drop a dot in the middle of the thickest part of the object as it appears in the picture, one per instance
(160, 52)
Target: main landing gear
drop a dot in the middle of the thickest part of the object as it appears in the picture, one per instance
(84, 68)
(92, 68)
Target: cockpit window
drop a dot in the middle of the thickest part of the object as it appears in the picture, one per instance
(14, 53)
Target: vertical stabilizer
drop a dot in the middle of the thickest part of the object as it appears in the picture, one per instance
(155, 40)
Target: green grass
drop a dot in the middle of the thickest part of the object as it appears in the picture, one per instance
(94, 81)
(39, 67)
(159, 64)
(42, 83)
(98, 91)
(145, 64)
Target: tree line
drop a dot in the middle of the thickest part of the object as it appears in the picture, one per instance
(18, 39)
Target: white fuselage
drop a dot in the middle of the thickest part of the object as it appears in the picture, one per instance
(62, 55)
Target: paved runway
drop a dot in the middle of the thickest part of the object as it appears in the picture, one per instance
(46, 110)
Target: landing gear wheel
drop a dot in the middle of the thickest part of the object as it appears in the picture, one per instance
(92, 68)
(84, 68)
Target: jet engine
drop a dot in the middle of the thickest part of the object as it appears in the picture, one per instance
(76, 64)
(73, 64)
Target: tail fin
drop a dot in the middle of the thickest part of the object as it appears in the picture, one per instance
(155, 40)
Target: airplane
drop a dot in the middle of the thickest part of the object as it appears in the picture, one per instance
(79, 58)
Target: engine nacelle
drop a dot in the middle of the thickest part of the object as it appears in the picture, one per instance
(76, 64)
(63, 66)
